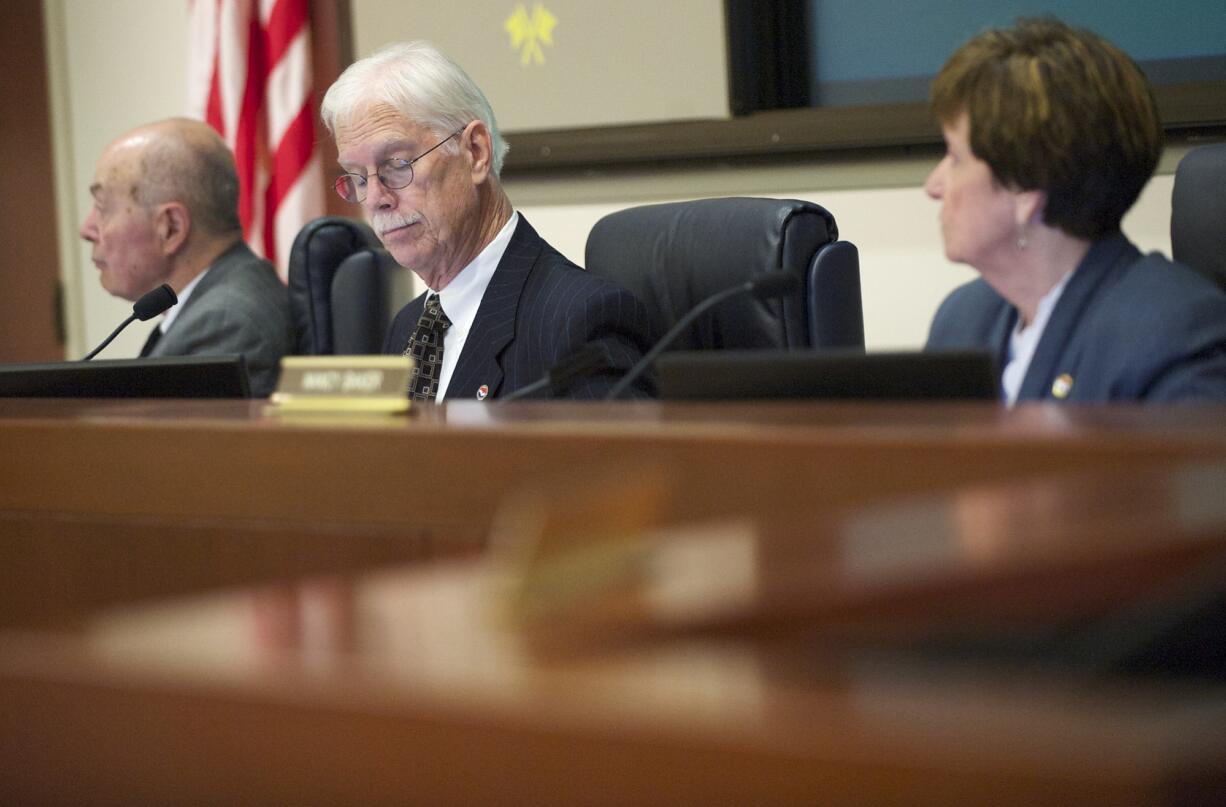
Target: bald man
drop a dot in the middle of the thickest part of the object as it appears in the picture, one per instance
(166, 211)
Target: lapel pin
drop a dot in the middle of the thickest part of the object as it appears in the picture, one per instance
(482, 392)
(1062, 386)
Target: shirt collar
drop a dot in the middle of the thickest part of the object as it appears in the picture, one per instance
(1024, 342)
(173, 311)
(1046, 304)
(462, 296)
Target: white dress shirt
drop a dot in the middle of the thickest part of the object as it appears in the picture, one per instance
(462, 297)
(1024, 341)
(173, 311)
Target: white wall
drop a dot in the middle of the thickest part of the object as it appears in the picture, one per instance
(120, 63)
(903, 271)
(114, 65)
(615, 52)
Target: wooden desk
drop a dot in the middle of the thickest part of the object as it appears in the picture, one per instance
(407, 686)
(104, 501)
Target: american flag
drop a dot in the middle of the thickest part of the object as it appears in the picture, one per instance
(250, 79)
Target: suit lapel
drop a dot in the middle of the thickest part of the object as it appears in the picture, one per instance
(480, 363)
(1050, 357)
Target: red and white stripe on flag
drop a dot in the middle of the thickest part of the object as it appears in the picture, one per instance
(250, 78)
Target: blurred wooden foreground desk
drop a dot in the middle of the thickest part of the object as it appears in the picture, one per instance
(410, 687)
(103, 501)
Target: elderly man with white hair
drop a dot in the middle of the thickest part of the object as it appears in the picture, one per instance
(421, 152)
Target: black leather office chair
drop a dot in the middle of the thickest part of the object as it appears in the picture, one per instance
(1198, 212)
(341, 287)
(673, 256)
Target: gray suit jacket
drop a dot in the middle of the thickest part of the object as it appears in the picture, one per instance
(239, 307)
(1127, 327)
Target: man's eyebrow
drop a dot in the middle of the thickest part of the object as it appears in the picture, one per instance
(399, 145)
(384, 151)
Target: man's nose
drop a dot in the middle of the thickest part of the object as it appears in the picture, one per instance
(88, 231)
(378, 197)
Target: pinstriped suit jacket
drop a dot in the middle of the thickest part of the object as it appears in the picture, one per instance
(538, 310)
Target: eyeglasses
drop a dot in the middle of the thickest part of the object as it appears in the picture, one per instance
(395, 174)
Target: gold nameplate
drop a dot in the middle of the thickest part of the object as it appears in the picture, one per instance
(343, 384)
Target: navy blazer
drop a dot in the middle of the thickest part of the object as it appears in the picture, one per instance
(538, 310)
(1126, 327)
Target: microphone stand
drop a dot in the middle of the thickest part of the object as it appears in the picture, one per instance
(147, 307)
(637, 370)
(131, 318)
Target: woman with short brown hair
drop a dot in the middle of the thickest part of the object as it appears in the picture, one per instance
(1051, 134)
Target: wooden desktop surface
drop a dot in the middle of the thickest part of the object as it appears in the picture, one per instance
(103, 501)
(425, 684)
(879, 521)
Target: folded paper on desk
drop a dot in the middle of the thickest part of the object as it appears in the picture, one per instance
(1102, 562)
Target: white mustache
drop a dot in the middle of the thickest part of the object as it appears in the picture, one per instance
(385, 222)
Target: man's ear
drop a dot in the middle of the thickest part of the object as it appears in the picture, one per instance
(477, 141)
(173, 224)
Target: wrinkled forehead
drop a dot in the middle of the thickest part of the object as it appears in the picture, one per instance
(375, 128)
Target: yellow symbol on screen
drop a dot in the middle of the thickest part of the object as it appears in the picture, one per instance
(529, 31)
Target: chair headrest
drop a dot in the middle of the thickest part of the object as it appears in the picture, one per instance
(672, 256)
(1198, 212)
(365, 299)
(318, 250)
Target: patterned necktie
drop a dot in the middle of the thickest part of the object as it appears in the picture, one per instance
(426, 348)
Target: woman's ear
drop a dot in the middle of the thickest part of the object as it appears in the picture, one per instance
(1029, 206)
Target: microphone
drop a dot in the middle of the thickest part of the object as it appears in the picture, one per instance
(147, 307)
(583, 361)
(765, 287)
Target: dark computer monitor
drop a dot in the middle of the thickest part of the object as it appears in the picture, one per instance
(163, 377)
(741, 375)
